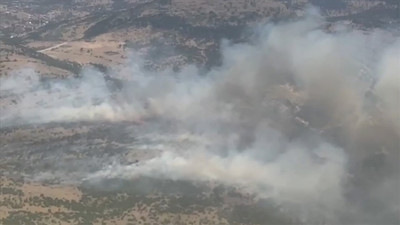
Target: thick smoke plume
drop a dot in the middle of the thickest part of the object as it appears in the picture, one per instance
(303, 116)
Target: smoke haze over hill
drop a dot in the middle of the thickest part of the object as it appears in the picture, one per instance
(302, 116)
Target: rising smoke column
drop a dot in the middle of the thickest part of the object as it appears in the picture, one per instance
(301, 116)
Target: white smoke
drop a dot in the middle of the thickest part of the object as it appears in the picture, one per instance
(291, 116)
